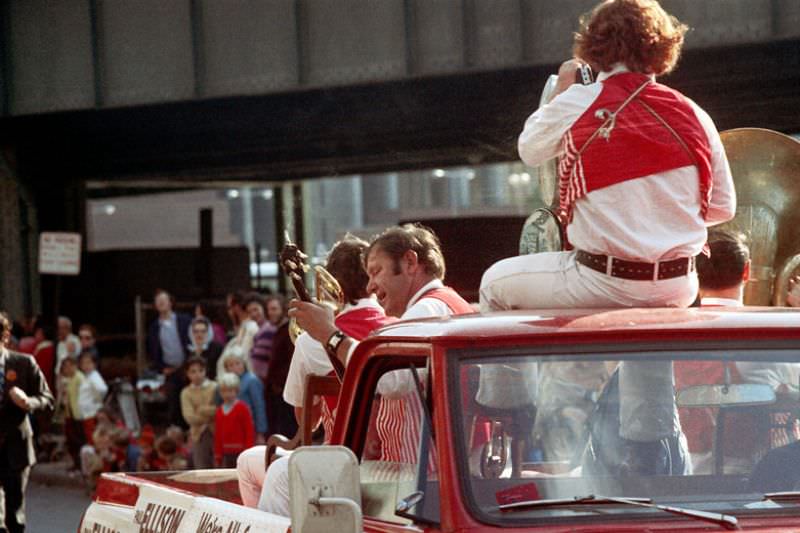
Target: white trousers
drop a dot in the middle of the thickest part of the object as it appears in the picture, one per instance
(250, 468)
(555, 280)
(262, 488)
(275, 492)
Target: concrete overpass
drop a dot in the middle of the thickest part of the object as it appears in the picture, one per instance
(211, 91)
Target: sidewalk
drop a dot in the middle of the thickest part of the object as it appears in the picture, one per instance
(57, 474)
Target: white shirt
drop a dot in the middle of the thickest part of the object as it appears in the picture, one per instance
(651, 218)
(398, 383)
(720, 302)
(91, 393)
(310, 358)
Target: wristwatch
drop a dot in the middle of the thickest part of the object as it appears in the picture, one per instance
(333, 342)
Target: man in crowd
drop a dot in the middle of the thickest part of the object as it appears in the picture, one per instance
(87, 334)
(167, 339)
(261, 352)
(280, 415)
(68, 343)
(23, 390)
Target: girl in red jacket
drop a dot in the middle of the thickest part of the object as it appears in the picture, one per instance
(234, 429)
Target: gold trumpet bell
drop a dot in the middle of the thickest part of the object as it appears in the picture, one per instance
(327, 291)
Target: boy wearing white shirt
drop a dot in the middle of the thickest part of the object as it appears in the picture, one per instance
(91, 393)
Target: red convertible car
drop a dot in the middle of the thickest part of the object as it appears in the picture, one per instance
(592, 420)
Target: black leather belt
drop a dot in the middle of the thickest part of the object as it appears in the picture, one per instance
(620, 268)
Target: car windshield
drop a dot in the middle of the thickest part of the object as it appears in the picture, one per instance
(711, 430)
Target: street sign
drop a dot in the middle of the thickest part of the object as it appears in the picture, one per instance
(60, 253)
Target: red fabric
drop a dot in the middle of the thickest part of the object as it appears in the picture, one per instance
(233, 432)
(360, 322)
(698, 423)
(89, 426)
(451, 299)
(27, 345)
(45, 355)
(639, 145)
(398, 420)
(357, 324)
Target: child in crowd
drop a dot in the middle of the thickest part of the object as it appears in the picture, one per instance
(168, 454)
(199, 409)
(73, 425)
(91, 393)
(177, 434)
(251, 391)
(148, 458)
(120, 441)
(234, 431)
(97, 457)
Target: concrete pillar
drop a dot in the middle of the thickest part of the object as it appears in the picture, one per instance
(13, 283)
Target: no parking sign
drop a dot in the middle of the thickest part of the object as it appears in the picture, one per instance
(60, 253)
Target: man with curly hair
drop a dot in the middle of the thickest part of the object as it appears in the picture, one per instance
(642, 173)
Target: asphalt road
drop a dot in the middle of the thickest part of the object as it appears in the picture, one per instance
(55, 508)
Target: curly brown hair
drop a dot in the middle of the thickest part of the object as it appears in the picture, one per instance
(637, 33)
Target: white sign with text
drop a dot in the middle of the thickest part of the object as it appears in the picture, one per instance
(60, 253)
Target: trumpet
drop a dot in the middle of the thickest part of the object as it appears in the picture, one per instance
(327, 291)
(327, 288)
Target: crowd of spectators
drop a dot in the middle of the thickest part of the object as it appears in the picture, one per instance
(228, 379)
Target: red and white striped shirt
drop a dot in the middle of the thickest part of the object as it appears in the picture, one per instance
(400, 411)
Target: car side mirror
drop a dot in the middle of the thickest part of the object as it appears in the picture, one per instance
(324, 490)
(734, 395)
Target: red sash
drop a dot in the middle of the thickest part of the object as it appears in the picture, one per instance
(655, 132)
(459, 306)
(360, 322)
(451, 299)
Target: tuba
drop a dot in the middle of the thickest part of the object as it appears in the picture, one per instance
(766, 171)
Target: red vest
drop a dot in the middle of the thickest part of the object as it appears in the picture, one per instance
(451, 299)
(655, 132)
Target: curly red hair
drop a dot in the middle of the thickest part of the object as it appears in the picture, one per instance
(637, 33)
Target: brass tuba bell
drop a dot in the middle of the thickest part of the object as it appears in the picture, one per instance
(766, 171)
